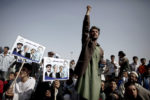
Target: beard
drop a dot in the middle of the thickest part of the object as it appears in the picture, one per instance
(94, 39)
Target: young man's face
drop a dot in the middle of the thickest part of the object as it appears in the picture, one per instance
(94, 34)
(125, 74)
(5, 50)
(113, 85)
(143, 62)
(19, 46)
(135, 60)
(48, 68)
(132, 91)
(24, 72)
(11, 77)
(113, 59)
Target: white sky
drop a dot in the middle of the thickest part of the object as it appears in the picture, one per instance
(57, 24)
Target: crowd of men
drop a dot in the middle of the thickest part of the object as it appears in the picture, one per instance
(120, 80)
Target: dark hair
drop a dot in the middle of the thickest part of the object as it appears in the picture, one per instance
(28, 66)
(72, 60)
(112, 56)
(19, 44)
(135, 57)
(142, 59)
(11, 73)
(112, 80)
(48, 65)
(94, 27)
(7, 47)
(51, 53)
(128, 84)
(121, 53)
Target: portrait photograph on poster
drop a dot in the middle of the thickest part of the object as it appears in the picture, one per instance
(55, 69)
(27, 49)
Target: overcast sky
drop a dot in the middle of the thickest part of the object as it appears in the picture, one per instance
(57, 24)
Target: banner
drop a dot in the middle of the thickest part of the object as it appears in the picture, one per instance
(28, 50)
(55, 69)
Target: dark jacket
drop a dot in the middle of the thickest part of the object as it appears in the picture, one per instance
(15, 51)
(57, 75)
(88, 47)
(46, 74)
(28, 55)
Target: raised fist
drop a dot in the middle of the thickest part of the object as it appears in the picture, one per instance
(89, 8)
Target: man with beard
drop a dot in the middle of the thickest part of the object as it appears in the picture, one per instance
(87, 68)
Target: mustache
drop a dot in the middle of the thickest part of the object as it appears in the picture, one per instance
(93, 39)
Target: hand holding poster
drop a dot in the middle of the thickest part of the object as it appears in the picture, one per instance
(55, 69)
(27, 49)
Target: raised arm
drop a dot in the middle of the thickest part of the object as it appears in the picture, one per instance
(88, 10)
(86, 25)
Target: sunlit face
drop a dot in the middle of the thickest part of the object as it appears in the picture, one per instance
(133, 77)
(132, 91)
(94, 34)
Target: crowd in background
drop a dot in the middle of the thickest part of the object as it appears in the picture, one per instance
(122, 80)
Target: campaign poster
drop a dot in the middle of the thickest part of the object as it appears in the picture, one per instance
(28, 50)
(55, 69)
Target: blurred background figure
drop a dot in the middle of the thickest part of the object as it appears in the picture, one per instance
(1, 50)
(72, 64)
(5, 61)
(123, 62)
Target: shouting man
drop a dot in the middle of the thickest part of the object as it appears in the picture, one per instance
(87, 68)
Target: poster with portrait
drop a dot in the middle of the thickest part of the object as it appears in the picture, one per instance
(28, 50)
(55, 69)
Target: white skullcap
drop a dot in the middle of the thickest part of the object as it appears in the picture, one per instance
(133, 72)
